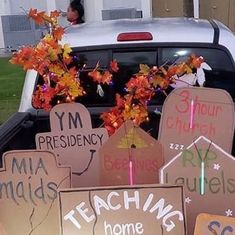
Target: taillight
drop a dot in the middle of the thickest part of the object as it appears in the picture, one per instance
(135, 36)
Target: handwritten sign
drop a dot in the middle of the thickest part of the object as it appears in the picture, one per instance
(2, 230)
(148, 210)
(214, 224)
(207, 173)
(191, 112)
(28, 192)
(74, 142)
(130, 143)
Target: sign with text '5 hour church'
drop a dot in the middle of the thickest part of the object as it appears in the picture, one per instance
(207, 173)
(28, 192)
(147, 210)
(192, 112)
(74, 142)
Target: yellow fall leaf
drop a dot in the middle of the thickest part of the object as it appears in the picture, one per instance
(144, 69)
(67, 50)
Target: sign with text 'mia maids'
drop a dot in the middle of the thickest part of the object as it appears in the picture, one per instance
(130, 144)
(151, 210)
(28, 192)
(74, 142)
(214, 224)
(207, 173)
(192, 112)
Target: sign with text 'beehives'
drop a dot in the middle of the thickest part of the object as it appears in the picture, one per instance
(130, 144)
(214, 224)
(207, 173)
(74, 142)
(28, 192)
(151, 210)
(191, 112)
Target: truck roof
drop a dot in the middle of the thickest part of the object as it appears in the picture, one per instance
(163, 30)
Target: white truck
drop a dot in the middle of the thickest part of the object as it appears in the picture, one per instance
(130, 42)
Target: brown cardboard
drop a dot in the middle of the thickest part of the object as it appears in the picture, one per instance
(2, 230)
(219, 179)
(115, 210)
(213, 117)
(214, 224)
(28, 192)
(74, 142)
(130, 142)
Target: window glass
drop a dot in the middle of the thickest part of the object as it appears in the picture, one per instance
(222, 74)
(129, 63)
(216, 58)
(90, 58)
(87, 61)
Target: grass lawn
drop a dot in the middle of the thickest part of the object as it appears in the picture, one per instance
(11, 83)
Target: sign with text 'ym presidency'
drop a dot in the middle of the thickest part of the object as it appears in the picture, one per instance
(74, 142)
(28, 192)
(192, 112)
(150, 209)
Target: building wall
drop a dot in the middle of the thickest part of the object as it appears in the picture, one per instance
(93, 8)
(172, 8)
(220, 10)
(16, 7)
(108, 4)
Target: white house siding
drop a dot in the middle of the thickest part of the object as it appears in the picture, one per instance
(93, 8)
(108, 4)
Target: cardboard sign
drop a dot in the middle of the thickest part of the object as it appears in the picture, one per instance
(74, 142)
(2, 230)
(214, 224)
(192, 112)
(130, 143)
(28, 192)
(147, 210)
(207, 173)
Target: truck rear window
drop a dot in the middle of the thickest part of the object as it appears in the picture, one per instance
(221, 76)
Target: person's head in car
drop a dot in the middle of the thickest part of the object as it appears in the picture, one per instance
(75, 12)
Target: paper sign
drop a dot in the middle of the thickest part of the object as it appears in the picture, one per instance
(74, 142)
(214, 224)
(28, 192)
(191, 112)
(2, 230)
(207, 173)
(146, 210)
(130, 143)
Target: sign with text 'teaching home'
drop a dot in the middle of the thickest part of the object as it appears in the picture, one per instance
(153, 209)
